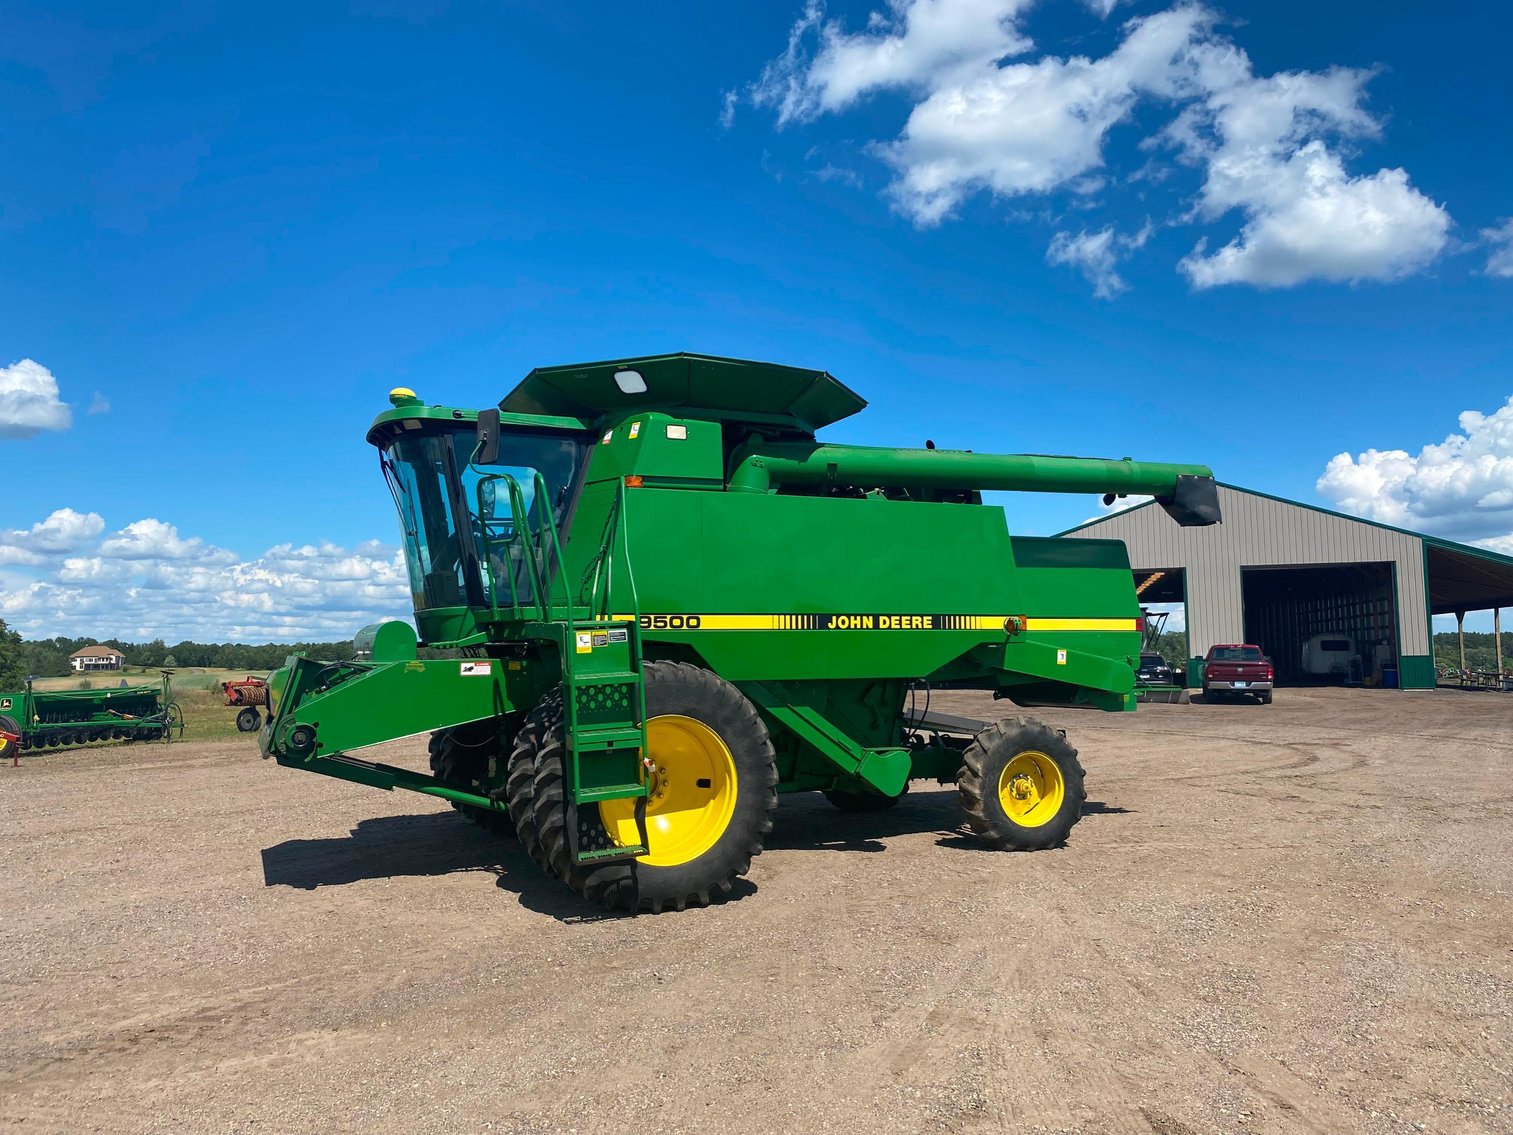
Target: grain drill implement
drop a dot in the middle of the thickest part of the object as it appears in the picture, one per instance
(48, 719)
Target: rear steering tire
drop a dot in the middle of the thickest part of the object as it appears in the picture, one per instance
(714, 788)
(1021, 786)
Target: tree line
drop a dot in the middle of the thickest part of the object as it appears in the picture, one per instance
(48, 658)
(1172, 647)
(1481, 651)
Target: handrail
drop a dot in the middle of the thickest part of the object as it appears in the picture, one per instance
(630, 572)
(517, 507)
(548, 523)
(604, 561)
(488, 563)
(533, 546)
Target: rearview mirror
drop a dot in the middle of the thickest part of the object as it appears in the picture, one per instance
(488, 437)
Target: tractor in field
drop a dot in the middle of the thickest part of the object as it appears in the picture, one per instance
(667, 602)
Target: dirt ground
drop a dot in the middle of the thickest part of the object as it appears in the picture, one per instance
(1272, 919)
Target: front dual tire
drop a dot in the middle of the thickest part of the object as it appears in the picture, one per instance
(713, 781)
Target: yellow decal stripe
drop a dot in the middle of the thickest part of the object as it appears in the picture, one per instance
(869, 622)
(1081, 625)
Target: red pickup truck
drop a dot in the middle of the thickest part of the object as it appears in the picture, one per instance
(1235, 670)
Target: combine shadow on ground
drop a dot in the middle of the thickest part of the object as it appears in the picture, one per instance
(431, 843)
(1100, 808)
(806, 821)
(442, 843)
(382, 848)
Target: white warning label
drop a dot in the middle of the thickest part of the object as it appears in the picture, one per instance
(476, 667)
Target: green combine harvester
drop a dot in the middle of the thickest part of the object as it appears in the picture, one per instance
(668, 602)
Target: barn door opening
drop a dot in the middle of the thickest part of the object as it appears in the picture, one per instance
(1329, 623)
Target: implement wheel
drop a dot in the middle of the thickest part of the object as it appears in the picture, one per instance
(247, 721)
(467, 757)
(7, 746)
(713, 789)
(1021, 785)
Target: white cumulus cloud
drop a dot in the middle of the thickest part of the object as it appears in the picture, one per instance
(62, 532)
(30, 402)
(1500, 259)
(913, 43)
(152, 539)
(1029, 128)
(1461, 488)
(1096, 255)
(986, 118)
(146, 580)
(1306, 217)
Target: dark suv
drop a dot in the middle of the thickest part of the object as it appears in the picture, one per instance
(1156, 671)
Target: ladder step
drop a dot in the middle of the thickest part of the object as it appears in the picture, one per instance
(612, 792)
(610, 853)
(584, 739)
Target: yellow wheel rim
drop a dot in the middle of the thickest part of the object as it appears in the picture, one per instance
(1031, 789)
(693, 789)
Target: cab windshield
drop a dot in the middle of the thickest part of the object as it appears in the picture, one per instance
(469, 536)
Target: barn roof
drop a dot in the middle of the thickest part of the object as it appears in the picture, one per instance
(1461, 577)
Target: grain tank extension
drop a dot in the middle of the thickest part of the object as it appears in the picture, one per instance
(668, 602)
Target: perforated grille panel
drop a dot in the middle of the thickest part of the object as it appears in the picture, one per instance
(591, 833)
(603, 705)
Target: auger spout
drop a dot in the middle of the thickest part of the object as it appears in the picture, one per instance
(1187, 492)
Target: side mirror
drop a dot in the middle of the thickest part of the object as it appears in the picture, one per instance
(488, 437)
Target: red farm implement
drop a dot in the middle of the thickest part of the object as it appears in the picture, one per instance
(249, 693)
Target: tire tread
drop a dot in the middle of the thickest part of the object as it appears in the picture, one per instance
(982, 762)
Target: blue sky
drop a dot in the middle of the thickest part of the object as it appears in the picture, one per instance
(1257, 236)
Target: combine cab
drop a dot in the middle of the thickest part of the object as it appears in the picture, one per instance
(670, 602)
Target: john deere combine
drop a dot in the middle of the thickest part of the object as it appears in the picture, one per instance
(669, 603)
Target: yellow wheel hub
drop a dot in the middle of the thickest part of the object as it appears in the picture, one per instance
(1031, 789)
(693, 790)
